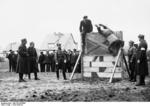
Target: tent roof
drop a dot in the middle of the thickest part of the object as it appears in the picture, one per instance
(56, 38)
(12, 46)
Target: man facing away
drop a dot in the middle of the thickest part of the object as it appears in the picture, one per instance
(9, 56)
(53, 61)
(142, 65)
(47, 61)
(85, 27)
(22, 62)
(41, 62)
(32, 61)
(14, 61)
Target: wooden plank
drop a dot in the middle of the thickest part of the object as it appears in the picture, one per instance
(106, 58)
(102, 64)
(91, 69)
(109, 70)
(87, 74)
(88, 58)
(96, 69)
(109, 58)
(103, 75)
(108, 75)
(86, 64)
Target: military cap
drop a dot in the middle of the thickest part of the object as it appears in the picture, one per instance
(85, 17)
(131, 41)
(141, 36)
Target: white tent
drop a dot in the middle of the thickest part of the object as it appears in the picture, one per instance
(66, 40)
(12, 46)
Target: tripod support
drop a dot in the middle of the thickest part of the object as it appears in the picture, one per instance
(120, 55)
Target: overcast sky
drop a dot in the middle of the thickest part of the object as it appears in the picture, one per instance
(34, 19)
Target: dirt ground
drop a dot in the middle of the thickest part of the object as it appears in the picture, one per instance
(51, 89)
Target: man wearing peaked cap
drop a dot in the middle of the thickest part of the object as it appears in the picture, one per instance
(132, 60)
(142, 65)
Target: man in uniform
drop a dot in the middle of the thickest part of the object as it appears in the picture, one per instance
(22, 62)
(142, 65)
(47, 61)
(14, 61)
(53, 61)
(41, 62)
(85, 27)
(60, 62)
(132, 60)
(32, 59)
(9, 56)
(68, 63)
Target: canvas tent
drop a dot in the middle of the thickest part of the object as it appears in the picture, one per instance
(66, 40)
(12, 46)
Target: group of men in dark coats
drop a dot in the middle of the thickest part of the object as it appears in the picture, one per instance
(59, 59)
(137, 59)
(27, 61)
(47, 61)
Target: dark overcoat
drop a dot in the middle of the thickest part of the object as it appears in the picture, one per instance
(142, 65)
(22, 60)
(60, 58)
(41, 59)
(32, 60)
(47, 59)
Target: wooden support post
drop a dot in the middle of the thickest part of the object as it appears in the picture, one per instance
(75, 65)
(124, 59)
(116, 62)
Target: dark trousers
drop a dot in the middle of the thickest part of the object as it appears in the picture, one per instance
(132, 67)
(47, 67)
(58, 67)
(42, 67)
(68, 67)
(14, 65)
(83, 38)
(53, 66)
(20, 76)
(10, 65)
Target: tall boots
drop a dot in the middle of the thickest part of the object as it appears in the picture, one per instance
(35, 76)
(21, 78)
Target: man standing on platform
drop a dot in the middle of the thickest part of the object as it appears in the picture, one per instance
(60, 62)
(142, 65)
(22, 62)
(32, 59)
(85, 27)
